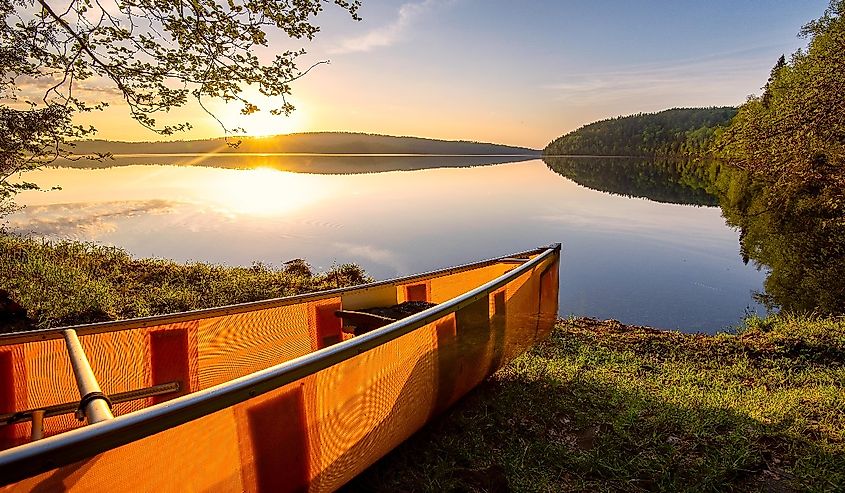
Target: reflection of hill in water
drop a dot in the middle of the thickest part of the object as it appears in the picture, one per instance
(303, 163)
(658, 181)
(789, 232)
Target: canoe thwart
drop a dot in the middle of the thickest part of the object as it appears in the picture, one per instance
(357, 322)
(71, 407)
(361, 322)
(513, 260)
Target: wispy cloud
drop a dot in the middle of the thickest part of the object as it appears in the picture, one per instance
(703, 76)
(391, 33)
(34, 89)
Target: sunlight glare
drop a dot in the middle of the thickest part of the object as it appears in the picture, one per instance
(262, 123)
(266, 191)
(265, 124)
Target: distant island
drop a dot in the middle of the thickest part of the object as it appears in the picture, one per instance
(672, 132)
(307, 143)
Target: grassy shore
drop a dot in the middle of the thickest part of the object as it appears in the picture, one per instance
(598, 407)
(607, 407)
(68, 282)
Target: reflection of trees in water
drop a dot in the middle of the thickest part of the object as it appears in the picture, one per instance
(795, 233)
(661, 181)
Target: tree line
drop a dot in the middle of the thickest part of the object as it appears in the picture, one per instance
(792, 136)
(780, 173)
(308, 142)
(677, 131)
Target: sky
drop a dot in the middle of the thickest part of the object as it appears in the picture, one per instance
(519, 73)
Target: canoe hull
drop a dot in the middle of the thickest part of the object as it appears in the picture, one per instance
(314, 433)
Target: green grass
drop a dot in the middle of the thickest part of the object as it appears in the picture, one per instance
(68, 282)
(605, 407)
(598, 407)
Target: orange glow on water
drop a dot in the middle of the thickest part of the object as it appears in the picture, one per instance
(265, 191)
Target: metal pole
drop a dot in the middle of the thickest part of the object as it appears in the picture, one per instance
(37, 424)
(93, 403)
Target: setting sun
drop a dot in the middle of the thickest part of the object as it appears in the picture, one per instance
(422, 245)
(264, 123)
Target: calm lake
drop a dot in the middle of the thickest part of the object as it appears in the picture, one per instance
(641, 261)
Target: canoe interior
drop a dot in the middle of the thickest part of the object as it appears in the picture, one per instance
(313, 434)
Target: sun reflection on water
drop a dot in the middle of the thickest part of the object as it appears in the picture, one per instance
(266, 191)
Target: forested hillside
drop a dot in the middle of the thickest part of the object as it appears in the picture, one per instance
(677, 131)
(780, 174)
(316, 142)
(793, 135)
(790, 141)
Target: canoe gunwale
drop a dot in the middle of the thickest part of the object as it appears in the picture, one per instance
(135, 323)
(33, 458)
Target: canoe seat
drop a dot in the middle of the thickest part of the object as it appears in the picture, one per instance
(357, 322)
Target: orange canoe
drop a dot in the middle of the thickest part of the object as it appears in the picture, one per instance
(275, 395)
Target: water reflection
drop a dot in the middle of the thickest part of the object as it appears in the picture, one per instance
(664, 181)
(303, 163)
(636, 260)
(82, 220)
(789, 231)
(786, 231)
(265, 191)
